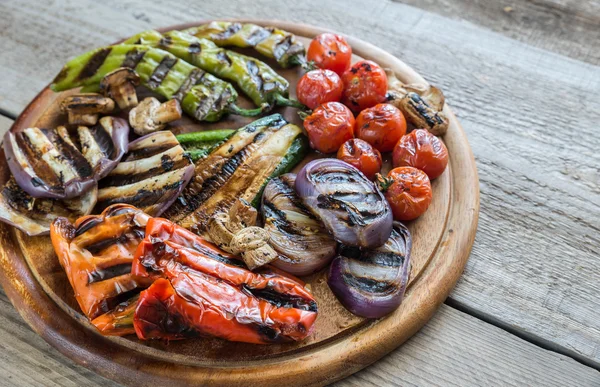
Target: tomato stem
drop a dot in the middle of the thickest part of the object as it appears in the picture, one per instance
(383, 183)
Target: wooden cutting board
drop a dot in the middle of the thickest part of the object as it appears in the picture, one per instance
(341, 343)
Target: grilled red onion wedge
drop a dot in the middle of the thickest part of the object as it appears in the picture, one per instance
(47, 163)
(371, 283)
(34, 216)
(97, 252)
(350, 205)
(150, 176)
(303, 243)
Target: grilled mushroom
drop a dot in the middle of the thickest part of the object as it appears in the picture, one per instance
(120, 85)
(83, 109)
(421, 105)
(252, 243)
(150, 115)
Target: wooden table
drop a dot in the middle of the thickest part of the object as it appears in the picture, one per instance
(524, 80)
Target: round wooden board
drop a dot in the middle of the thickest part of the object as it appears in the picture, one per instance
(341, 343)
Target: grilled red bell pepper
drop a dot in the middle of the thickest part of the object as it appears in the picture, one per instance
(96, 253)
(213, 293)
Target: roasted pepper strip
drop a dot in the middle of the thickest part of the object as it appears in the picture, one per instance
(96, 253)
(269, 41)
(255, 78)
(213, 296)
(202, 95)
(119, 321)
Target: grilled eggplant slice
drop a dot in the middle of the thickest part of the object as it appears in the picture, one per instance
(47, 163)
(204, 290)
(239, 169)
(97, 252)
(150, 177)
(300, 238)
(34, 216)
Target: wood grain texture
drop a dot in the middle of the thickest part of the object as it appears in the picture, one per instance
(566, 27)
(534, 264)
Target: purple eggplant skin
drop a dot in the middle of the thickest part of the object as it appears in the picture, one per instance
(371, 283)
(350, 206)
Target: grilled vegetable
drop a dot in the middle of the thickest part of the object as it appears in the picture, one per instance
(200, 144)
(118, 321)
(151, 175)
(151, 115)
(83, 109)
(96, 253)
(303, 243)
(120, 85)
(256, 79)
(203, 292)
(202, 96)
(47, 163)
(34, 216)
(238, 168)
(268, 41)
(371, 283)
(350, 205)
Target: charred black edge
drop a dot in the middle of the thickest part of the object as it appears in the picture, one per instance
(100, 275)
(142, 198)
(40, 168)
(167, 165)
(104, 140)
(109, 304)
(94, 64)
(281, 300)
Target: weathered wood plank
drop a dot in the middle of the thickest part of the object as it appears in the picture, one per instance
(531, 117)
(567, 27)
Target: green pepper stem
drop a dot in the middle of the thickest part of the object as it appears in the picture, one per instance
(280, 100)
(234, 109)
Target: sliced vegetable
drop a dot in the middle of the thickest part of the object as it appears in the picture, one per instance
(330, 51)
(422, 150)
(96, 253)
(300, 238)
(202, 96)
(256, 79)
(47, 163)
(365, 85)
(213, 297)
(237, 169)
(350, 206)
(151, 176)
(34, 216)
(329, 126)
(268, 41)
(371, 283)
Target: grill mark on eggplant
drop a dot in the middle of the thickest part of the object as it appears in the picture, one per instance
(132, 58)
(160, 72)
(143, 153)
(69, 153)
(280, 300)
(104, 140)
(142, 198)
(93, 65)
(34, 157)
(113, 180)
(192, 79)
(108, 273)
(254, 74)
(368, 285)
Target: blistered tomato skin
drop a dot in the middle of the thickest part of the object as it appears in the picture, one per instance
(409, 193)
(330, 51)
(329, 126)
(381, 126)
(365, 85)
(361, 155)
(422, 150)
(319, 86)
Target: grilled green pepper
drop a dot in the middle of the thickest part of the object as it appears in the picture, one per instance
(269, 41)
(255, 78)
(202, 95)
(200, 144)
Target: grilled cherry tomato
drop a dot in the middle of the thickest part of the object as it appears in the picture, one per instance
(422, 150)
(365, 85)
(319, 86)
(330, 51)
(362, 155)
(329, 126)
(408, 191)
(381, 126)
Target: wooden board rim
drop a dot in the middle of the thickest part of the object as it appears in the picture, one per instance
(342, 357)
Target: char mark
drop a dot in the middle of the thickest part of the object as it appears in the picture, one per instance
(114, 180)
(92, 66)
(281, 300)
(231, 30)
(254, 73)
(99, 275)
(69, 153)
(103, 139)
(142, 198)
(97, 247)
(368, 285)
(150, 151)
(257, 36)
(193, 78)
(161, 72)
(132, 58)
